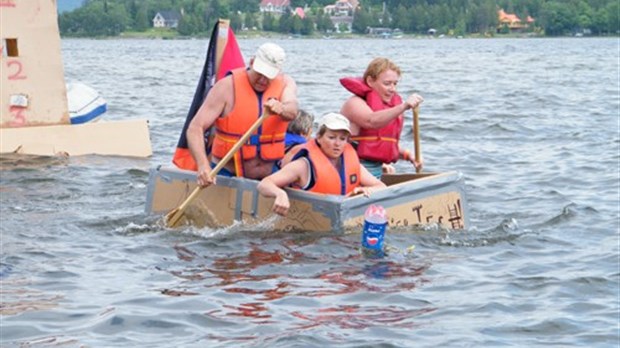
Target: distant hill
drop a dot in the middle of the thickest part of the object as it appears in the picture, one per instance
(68, 5)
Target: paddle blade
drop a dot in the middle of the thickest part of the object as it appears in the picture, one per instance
(173, 217)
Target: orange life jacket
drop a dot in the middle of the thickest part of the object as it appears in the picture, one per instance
(289, 155)
(379, 145)
(326, 178)
(268, 141)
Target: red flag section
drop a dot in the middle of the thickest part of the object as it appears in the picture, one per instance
(223, 55)
(231, 57)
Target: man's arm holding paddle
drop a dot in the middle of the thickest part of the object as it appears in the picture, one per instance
(287, 107)
(215, 105)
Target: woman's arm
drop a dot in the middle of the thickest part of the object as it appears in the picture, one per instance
(271, 186)
(407, 156)
(368, 183)
(358, 112)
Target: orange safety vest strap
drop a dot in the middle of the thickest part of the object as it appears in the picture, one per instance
(238, 160)
(374, 138)
(253, 140)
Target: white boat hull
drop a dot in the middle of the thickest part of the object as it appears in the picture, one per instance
(85, 104)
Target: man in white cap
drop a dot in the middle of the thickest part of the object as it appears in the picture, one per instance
(327, 164)
(233, 105)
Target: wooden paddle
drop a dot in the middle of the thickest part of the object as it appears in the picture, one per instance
(416, 137)
(173, 217)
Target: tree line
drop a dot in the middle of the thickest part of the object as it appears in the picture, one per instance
(450, 17)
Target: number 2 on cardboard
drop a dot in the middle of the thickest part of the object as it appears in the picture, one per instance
(17, 74)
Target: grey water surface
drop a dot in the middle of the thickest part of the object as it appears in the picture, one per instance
(533, 125)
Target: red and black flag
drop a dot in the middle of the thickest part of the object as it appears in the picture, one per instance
(223, 55)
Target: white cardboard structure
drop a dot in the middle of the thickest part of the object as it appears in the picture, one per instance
(34, 116)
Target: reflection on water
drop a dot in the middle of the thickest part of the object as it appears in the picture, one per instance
(18, 298)
(290, 269)
(360, 317)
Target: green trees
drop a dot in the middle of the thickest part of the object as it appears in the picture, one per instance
(323, 23)
(456, 17)
(562, 18)
(97, 19)
(556, 18)
(553, 17)
(362, 19)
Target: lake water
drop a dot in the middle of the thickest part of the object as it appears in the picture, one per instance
(533, 125)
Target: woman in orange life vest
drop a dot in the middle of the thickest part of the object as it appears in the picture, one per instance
(233, 105)
(376, 114)
(327, 164)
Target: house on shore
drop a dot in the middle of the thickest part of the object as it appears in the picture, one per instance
(341, 13)
(342, 8)
(274, 6)
(166, 19)
(512, 22)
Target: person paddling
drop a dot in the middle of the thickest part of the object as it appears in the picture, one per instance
(233, 105)
(376, 114)
(327, 164)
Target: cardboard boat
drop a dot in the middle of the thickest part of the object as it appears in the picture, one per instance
(410, 199)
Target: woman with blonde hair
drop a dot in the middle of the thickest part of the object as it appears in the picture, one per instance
(376, 112)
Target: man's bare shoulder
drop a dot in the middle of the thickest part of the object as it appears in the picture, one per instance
(222, 87)
(226, 81)
(288, 80)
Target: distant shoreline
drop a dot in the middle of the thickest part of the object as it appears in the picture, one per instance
(346, 37)
(167, 34)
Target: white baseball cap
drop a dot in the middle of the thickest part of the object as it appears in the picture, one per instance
(268, 60)
(335, 121)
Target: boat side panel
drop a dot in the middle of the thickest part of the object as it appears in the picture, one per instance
(168, 189)
(234, 199)
(305, 214)
(444, 209)
(438, 199)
